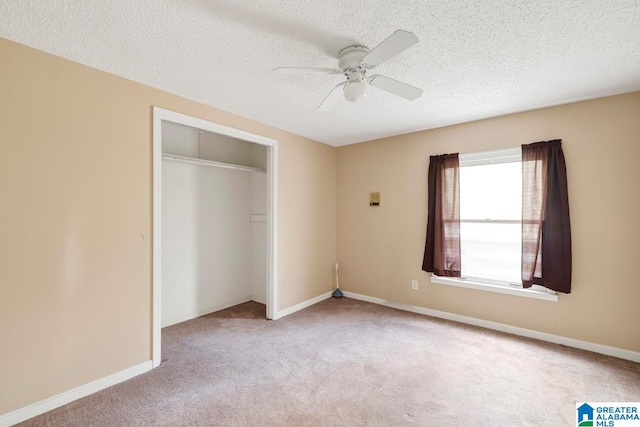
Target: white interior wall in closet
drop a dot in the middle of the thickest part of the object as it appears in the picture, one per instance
(214, 252)
(259, 237)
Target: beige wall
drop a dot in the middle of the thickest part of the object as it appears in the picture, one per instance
(75, 187)
(380, 249)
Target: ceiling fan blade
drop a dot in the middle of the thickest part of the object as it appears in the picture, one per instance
(390, 47)
(395, 87)
(331, 99)
(307, 70)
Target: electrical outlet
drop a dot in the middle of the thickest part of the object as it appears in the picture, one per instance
(414, 285)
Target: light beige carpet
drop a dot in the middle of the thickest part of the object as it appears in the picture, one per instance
(344, 362)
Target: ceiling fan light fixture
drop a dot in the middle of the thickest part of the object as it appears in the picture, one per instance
(354, 61)
(355, 88)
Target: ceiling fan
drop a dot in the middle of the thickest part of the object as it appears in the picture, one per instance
(354, 62)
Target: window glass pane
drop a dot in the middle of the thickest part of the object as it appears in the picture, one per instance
(491, 191)
(491, 251)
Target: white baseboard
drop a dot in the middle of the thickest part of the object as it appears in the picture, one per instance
(556, 339)
(203, 311)
(69, 396)
(304, 304)
(259, 298)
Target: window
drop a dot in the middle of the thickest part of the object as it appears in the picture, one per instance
(491, 216)
(490, 185)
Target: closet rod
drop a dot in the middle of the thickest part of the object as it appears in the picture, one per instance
(201, 162)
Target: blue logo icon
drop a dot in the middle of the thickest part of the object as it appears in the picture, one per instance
(607, 414)
(585, 415)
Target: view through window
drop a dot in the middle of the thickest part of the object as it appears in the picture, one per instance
(491, 218)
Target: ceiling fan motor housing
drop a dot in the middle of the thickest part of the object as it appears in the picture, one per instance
(350, 58)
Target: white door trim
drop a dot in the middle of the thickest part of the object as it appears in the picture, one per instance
(160, 114)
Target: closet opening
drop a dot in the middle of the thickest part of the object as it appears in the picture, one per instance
(214, 220)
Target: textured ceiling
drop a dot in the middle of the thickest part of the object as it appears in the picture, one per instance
(475, 59)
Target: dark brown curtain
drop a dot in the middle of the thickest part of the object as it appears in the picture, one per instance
(546, 231)
(442, 248)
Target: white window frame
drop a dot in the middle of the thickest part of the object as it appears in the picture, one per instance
(503, 287)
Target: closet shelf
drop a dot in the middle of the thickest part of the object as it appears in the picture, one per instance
(182, 159)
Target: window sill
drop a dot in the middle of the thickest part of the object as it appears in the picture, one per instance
(502, 289)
